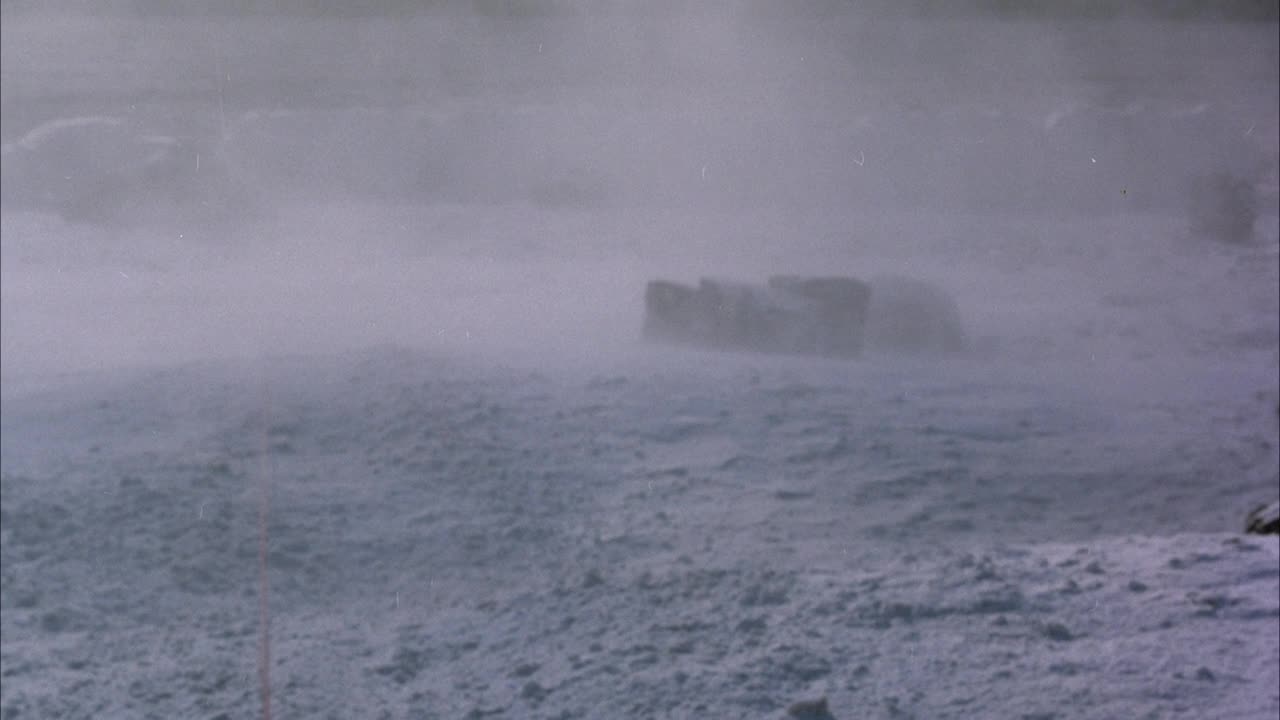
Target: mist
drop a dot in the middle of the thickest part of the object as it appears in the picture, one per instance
(496, 176)
(331, 379)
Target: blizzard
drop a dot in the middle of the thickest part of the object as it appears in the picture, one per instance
(480, 493)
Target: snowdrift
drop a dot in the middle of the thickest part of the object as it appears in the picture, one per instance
(823, 316)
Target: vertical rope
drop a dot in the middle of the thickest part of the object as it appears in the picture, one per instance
(264, 505)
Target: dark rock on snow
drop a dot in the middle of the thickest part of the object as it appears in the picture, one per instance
(909, 315)
(1264, 520)
(824, 316)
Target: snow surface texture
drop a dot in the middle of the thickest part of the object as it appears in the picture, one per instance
(451, 539)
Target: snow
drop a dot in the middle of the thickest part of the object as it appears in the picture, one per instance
(489, 499)
(456, 535)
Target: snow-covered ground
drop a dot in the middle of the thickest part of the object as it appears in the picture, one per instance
(517, 510)
(488, 499)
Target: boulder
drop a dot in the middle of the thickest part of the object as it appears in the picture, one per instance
(840, 310)
(735, 316)
(1264, 520)
(912, 316)
(824, 316)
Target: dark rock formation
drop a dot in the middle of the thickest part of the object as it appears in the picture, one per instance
(841, 310)
(1264, 520)
(824, 316)
(912, 316)
(809, 316)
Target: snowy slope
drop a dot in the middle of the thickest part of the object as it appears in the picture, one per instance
(664, 537)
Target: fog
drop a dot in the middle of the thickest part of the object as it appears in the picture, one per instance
(483, 175)
(323, 372)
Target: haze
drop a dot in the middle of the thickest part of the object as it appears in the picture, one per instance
(323, 383)
(492, 175)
